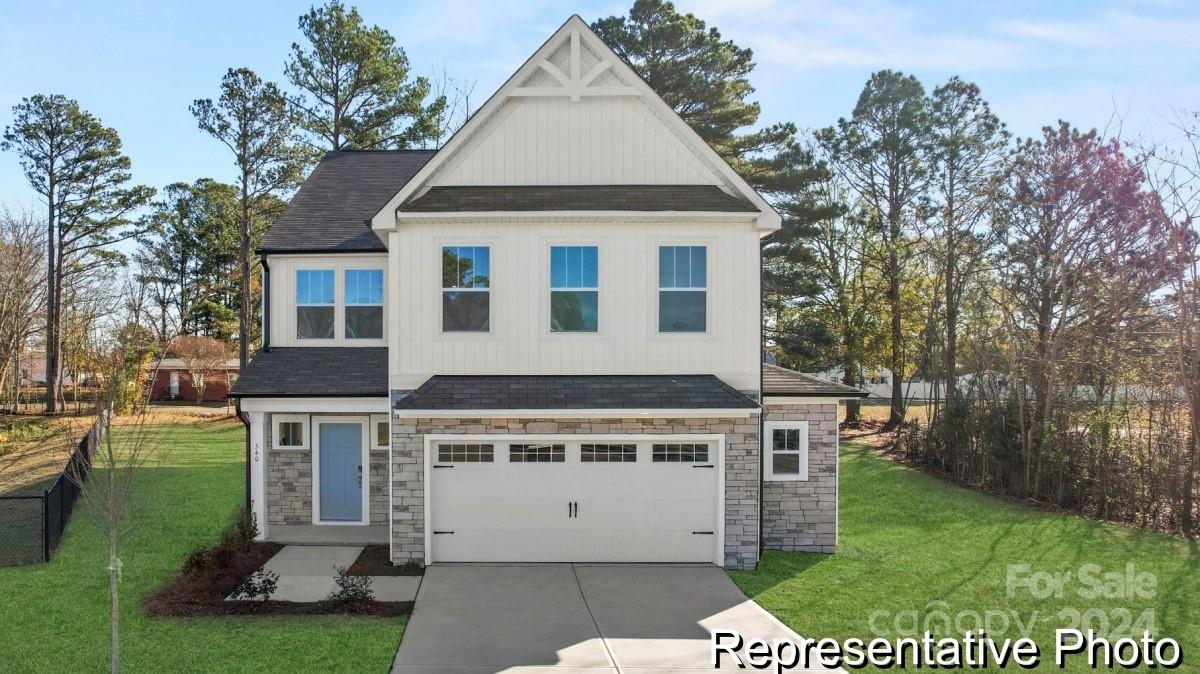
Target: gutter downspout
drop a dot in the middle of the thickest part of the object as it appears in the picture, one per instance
(266, 303)
(237, 406)
(762, 400)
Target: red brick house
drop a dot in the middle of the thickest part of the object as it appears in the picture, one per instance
(171, 380)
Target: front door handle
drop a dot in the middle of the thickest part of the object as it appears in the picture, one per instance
(576, 509)
(360, 474)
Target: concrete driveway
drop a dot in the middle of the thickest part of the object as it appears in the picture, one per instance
(582, 619)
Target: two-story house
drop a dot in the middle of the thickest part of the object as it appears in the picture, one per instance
(540, 343)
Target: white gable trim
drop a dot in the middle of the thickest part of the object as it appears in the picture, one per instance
(575, 86)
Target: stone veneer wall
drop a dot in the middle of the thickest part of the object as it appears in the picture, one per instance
(801, 515)
(290, 480)
(741, 471)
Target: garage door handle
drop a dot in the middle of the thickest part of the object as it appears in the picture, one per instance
(442, 466)
(703, 533)
(438, 533)
(707, 465)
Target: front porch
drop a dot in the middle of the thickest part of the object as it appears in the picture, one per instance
(312, 534)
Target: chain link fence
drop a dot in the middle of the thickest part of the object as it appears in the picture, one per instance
(31, 525)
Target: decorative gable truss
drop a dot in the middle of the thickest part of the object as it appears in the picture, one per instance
(575, 114)
(575, 84)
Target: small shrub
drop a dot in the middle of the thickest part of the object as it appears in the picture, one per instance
(351, 589)
(245, 528)
(259, 585)
(200, 561)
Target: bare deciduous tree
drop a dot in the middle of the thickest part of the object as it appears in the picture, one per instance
(22, 290)
(109, 489)
(204, 358)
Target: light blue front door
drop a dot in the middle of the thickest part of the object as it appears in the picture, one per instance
(341, 472)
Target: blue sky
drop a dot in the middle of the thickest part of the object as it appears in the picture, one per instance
(138, 65)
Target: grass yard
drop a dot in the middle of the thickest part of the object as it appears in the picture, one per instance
(56, 615)
(912, 545)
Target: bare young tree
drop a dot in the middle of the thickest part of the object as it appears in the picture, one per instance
(204, 358)
(109, 486)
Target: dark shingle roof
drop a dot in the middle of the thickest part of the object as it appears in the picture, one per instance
(780, 381)
(314, 371)
(490, 198)
(565, 392)
(332, 208)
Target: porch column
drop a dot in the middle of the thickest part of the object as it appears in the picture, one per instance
(258, 472)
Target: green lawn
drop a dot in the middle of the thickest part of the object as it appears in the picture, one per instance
(909, 541)
(56, 615)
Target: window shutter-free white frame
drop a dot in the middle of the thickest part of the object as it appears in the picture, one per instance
(302, 419)
(768, 448)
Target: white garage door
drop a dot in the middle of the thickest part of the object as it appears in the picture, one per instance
(581, 500)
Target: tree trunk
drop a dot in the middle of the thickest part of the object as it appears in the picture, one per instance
(950, 357)
(51, 302)
(113, 615)
(896, 417)
(853, 405)
(244, 304)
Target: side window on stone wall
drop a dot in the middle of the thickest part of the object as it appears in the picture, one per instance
(786, 447)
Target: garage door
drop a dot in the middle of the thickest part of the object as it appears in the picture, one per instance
(581, 500)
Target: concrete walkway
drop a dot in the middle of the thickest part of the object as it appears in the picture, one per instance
(306, 574)
(582, 619)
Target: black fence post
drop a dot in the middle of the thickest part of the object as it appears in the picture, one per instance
(45, 527)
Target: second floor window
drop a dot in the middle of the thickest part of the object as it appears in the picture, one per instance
(466, 288)
(314, 304)
(573, 289)
(363, 295)
(682, 288)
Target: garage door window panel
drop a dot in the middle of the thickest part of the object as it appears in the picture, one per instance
(537, 453)
(607, 453)
(465, 453)
(676, 452)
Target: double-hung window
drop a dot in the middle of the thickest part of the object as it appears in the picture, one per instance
(314, 304)
(363, 294)
(787, 450)
(466, 288)
(682, 288)
(573, 289)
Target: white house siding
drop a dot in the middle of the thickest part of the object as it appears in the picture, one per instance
(283, 295)
(627, 342)
(801, 515)
(553, 140)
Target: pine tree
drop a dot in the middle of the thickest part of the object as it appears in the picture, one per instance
(354, 85)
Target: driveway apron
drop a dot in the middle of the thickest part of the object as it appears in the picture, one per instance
(577, 619)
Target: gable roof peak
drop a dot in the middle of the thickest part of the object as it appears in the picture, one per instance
(603, 74)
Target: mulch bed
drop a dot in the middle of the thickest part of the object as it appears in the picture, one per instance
(197, 594)
(375, 560)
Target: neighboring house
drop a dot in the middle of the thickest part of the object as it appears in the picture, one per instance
(540, 343)
(171, 380)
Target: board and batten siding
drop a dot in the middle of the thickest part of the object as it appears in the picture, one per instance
(553, 141)
(520, 340)
(283, 295)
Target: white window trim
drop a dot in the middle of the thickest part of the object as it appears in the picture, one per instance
(298, 304)
(441, 250)
(363, 423)
(380, 304)
(707, 288)
(277, 419)
(339, 269)
(550, 289)
(716, 440)
(768, 448)
(377, 419)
